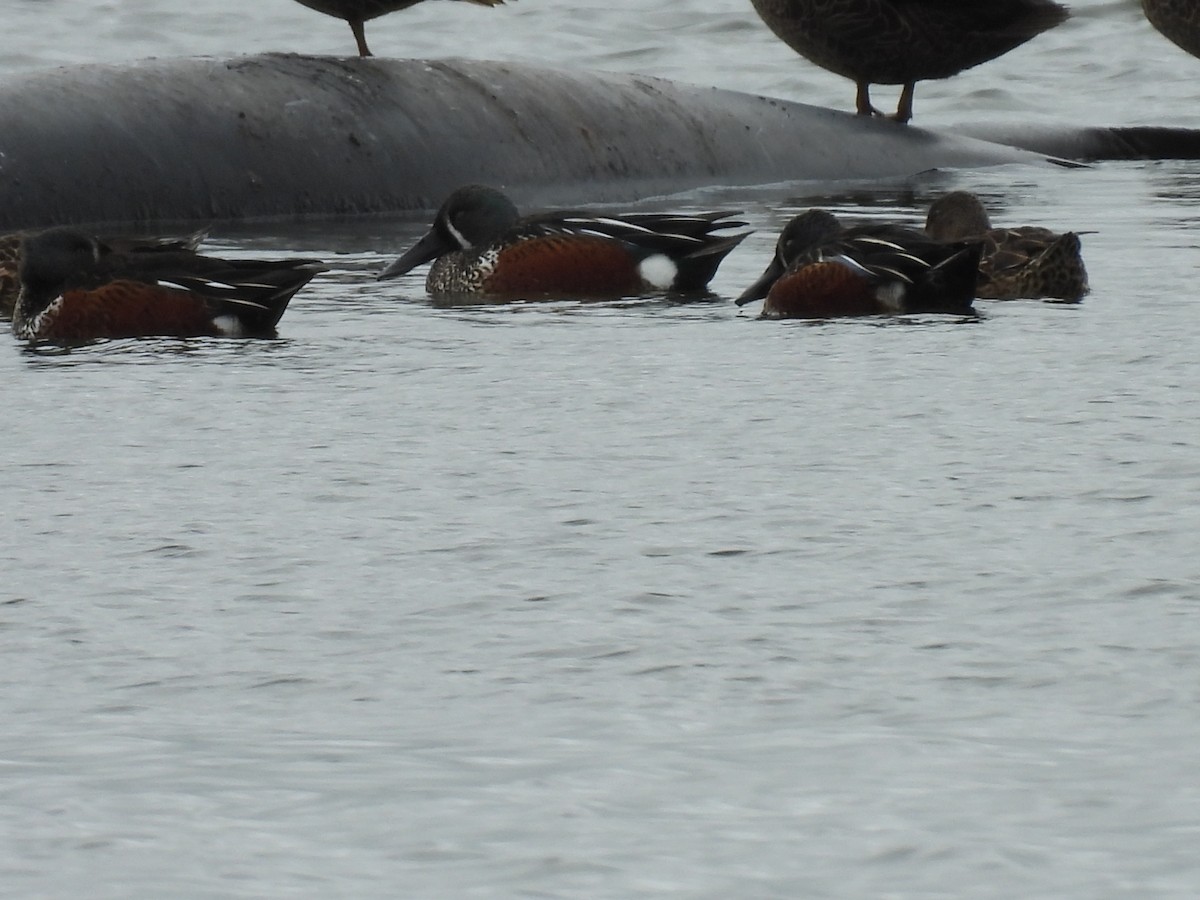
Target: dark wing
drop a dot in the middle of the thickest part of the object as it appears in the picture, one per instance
(937, 276)
(256, 291)
(674, 235)
(891, 251)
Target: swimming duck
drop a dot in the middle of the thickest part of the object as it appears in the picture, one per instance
(1023, 262)
(480, 245)
(1177, 20)
(10, 258)
(356, 12)
(822, 270)
(74, 288)
(905, 41)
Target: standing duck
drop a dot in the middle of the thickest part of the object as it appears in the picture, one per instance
(905, 41)
(821, 270)
(75, 288)
(1022, 262)
(481, 246)
(1177, 20)
(357, 12)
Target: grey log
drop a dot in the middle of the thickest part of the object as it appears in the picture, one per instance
(286, 136)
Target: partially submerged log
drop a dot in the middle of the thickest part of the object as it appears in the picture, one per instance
(285, 136)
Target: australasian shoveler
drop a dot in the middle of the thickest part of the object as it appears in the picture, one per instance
(1023, 262)
(10, 258)
(74, 288)
(905, 41)
(821, 270)
(1176, 20)
(357, 12)
(481, 246)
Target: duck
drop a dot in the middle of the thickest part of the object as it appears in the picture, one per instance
(1027, 261)
(75, 288)
(821, 269)
(10, 258)
(357, 12)
(1176, 20)
(481, 245)
(905, 41)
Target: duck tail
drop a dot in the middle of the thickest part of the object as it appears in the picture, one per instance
(264, 295)
(1058, 271)
(950, 285)
(697, 268)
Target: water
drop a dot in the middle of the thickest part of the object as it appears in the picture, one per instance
(632, 599)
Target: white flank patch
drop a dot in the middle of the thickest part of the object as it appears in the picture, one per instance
(658, 270)
(230, 326)
(891, 294)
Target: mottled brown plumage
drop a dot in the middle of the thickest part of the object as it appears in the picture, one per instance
(905, 41)
(1177, 20)
(356, 12)
(1027, 261)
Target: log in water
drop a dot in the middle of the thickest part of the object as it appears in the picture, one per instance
(286, 136)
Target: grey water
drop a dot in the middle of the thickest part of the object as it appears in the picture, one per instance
(630, 599)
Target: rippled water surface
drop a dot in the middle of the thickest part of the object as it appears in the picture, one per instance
(632, 599)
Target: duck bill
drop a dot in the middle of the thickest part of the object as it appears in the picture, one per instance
(427, 248)
(759, 289)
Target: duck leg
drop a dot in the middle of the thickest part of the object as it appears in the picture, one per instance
(904, 109)
(360, 35)
(862, 100)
